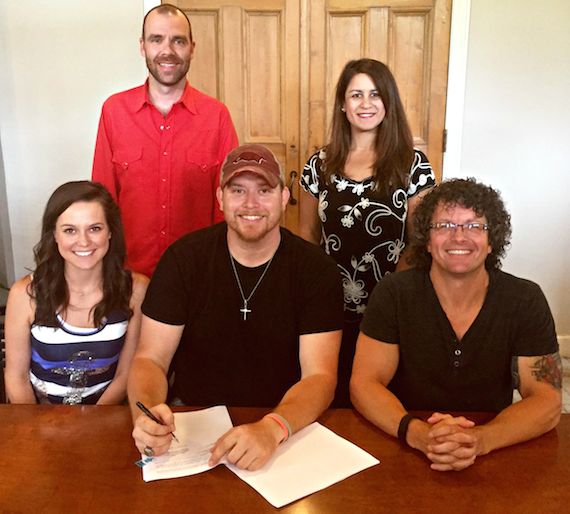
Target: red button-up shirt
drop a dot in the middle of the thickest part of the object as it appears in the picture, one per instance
(163, 171)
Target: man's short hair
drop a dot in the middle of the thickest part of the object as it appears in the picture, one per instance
(168, 9)
(470, 194)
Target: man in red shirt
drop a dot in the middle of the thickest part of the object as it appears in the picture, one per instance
(160, 145)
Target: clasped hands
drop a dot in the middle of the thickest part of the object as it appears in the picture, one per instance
(452, 443)
(246, 446)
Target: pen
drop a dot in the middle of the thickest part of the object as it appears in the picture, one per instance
(154, 418)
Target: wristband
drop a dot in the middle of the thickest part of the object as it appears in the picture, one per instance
(282, 422)
(403, 428)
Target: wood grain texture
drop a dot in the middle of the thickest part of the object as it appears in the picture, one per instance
(81, 459)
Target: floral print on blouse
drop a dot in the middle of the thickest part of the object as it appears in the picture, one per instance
(362, 229)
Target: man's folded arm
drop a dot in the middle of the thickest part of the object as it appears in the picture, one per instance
(538, 411)
(375, 364)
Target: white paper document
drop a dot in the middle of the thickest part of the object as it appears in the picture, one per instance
(197, 432)
(311, 460)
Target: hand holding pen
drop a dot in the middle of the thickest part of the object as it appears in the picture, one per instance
(148, 450)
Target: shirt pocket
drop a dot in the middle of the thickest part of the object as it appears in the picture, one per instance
(128, 160)
(203, 168)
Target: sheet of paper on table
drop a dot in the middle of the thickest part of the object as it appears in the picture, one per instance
(197, 432)
(311, 460)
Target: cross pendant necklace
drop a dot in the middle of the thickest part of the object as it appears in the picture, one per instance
(245, 310)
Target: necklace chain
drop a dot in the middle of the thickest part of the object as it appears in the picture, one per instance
(245, 310)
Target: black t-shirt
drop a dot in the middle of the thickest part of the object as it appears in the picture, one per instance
(222, 358)
(438, 372)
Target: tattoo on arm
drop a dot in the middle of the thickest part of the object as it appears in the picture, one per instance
(548, 368)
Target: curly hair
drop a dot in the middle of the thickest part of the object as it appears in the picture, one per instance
(394, 142)
(49, 288)
(470, 194)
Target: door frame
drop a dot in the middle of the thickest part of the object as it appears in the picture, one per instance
(456, 78)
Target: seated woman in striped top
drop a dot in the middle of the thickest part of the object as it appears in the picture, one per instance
(72, 326)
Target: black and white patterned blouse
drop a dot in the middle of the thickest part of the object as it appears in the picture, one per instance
(362, 229)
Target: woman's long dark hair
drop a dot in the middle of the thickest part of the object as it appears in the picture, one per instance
(394, 142)
(49, 288)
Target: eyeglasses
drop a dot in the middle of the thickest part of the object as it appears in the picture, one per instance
(448, 227)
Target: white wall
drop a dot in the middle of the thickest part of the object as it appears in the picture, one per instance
(516, 133)
(60, 60)
(6, 265)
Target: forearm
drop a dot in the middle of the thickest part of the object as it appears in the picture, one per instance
(305, 401)
(521, 421)
(19, 389)
(115, 393)
(147, 383)
(379, 406)
(250, 446)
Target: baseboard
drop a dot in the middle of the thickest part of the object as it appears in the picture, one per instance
(564, 343)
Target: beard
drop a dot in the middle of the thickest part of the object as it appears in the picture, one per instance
(252, 234)
(163, 76)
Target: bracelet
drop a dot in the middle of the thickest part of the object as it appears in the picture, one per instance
(282, 422)
(403, 428)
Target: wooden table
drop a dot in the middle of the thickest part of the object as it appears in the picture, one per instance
(66, 459)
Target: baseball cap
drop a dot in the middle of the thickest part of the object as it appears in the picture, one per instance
(254, 158)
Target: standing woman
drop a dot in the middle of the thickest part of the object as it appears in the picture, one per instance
(80, 307)
(360, 191)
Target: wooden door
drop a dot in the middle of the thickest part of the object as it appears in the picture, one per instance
(275, 64)
(247, 55)
(410, 36)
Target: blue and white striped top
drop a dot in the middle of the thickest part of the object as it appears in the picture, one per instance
(53, 347)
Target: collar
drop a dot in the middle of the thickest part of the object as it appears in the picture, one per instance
(188, 99)
(141, 98)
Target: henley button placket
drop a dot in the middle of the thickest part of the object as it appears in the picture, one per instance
(457, 354)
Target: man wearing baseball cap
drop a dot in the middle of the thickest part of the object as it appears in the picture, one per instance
(244, 313)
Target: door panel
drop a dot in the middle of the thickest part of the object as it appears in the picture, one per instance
(409, 58)
(264, 55)
(203, 71)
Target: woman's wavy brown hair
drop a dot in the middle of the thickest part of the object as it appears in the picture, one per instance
(470, 194)
(394, 142)
(49, 288)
